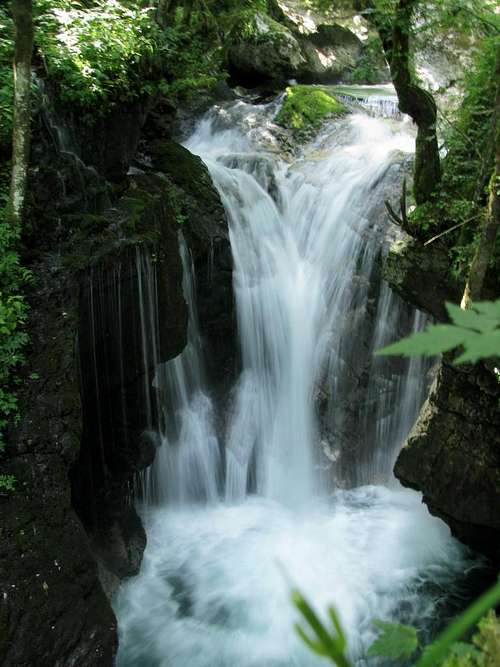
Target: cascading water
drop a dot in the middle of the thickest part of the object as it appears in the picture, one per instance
(187, 464)
(311, 312)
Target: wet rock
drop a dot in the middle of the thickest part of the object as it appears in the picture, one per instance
(330, 53)
(421, 275)
(453, 454)
(53, 610)
(107, 293)
(275, 48)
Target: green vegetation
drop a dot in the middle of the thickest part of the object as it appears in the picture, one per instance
(477, 331)
(306, 106)
(12, 275)
(327, 643)
(370, 64)
(467, 167)
(115, 51)
(397, 641)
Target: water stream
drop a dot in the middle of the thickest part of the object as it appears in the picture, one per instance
(299, 486)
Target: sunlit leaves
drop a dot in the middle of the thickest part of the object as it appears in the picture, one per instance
(395, 641)
(93, 50)
(476, 331)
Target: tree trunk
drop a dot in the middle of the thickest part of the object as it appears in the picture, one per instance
(491, 224)
(413, 100)
(22, 11)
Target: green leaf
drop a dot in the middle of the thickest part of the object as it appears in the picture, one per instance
(462, 649)
(395, 641)
(434, 340)
(475, 319)
(476, 330)
(328, 643)
(481, 346)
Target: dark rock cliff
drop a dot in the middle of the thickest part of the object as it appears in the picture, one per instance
(453, 452)
(106, 307)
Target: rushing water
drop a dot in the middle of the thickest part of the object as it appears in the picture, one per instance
(232, 520)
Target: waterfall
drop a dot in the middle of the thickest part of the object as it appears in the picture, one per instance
(299, 476)
(187, 463)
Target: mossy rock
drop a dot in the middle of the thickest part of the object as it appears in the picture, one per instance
(306, 107)
(263, 49)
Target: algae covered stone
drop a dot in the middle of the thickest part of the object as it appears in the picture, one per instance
(306, 106)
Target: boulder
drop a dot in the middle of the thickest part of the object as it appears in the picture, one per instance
(107, 305)
(421, 275)
(270, 53)
(453, 454)
(331, 53)
(275, 51)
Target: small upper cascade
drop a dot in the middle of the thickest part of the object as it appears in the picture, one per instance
(379, 101)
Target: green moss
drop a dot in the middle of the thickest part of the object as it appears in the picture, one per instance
(306, 106)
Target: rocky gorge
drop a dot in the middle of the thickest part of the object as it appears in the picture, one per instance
(112, 199)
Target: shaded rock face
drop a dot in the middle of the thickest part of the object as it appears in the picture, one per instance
(331, 53)
(53, 611)
(421, 275)
(277, 51)
(271, 53)
(107, 306)
(453, 454)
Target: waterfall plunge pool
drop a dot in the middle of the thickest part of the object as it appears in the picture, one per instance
(212, 590)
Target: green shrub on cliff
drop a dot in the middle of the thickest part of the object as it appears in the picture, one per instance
(6, 79)
(12, 275)
(98, 51)
(306, 106)
(111, 51)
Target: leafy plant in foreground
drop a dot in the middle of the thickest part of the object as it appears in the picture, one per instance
(330, 644)
(477, 331)
(401, 641)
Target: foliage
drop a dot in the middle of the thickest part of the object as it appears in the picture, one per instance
(6, 78)
(371, 64)
(114, 51)
(477, 331)
(440, 648)
(13, 308)
(93, 49)
(306, 106)
(327, 643)
(395, 640)
(485, 649)
(13, 312)
(459, 204)
(400, 641)
(7, 482)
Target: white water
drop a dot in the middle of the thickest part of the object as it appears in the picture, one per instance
(212, 592)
